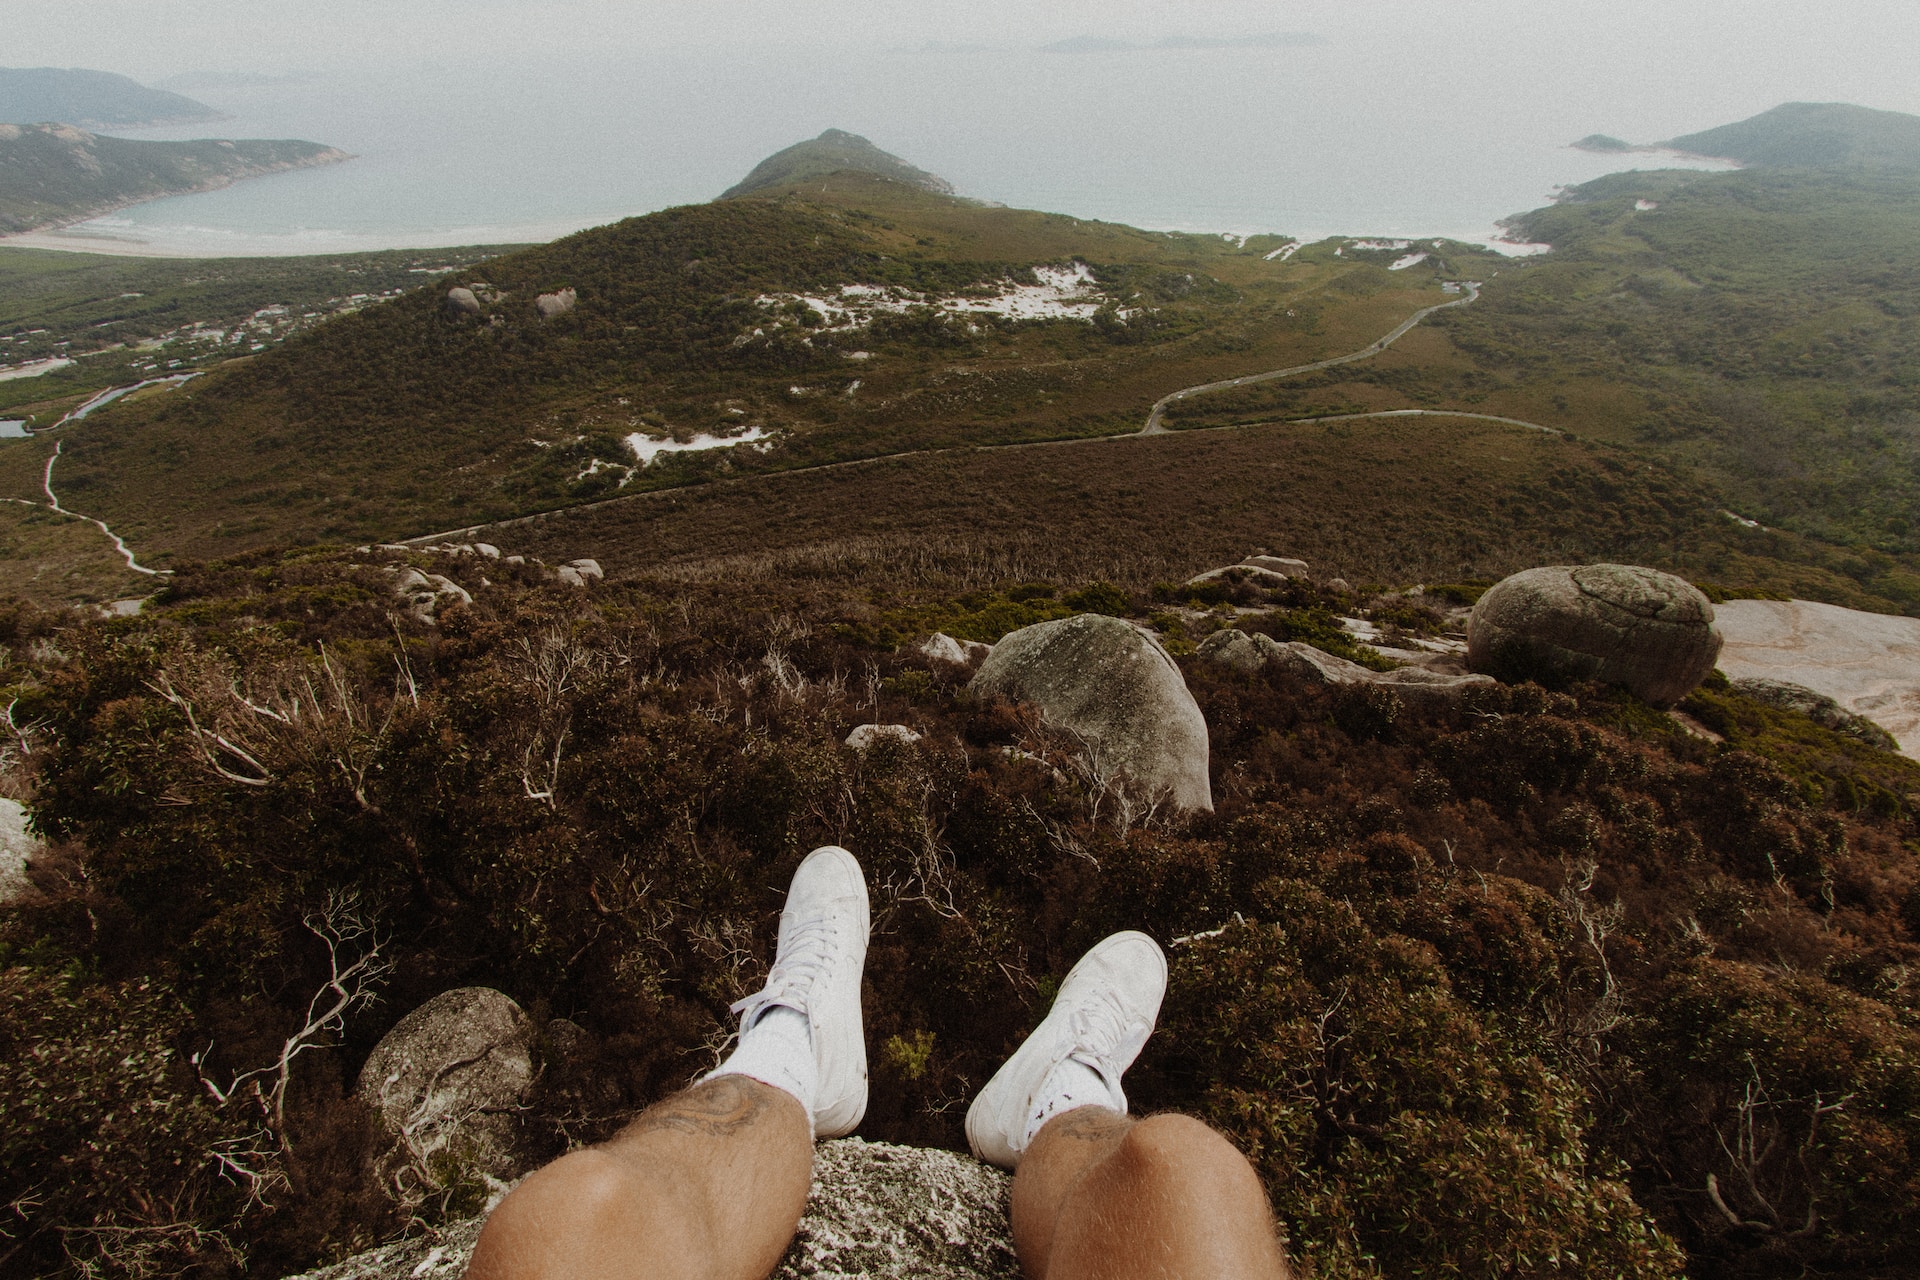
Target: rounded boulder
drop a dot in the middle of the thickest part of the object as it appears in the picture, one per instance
(1646, 631)
(1110, 685)
(462, 301)
(449, 1077)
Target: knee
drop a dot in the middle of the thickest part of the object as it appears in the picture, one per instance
(1179, 1149)
(564, 1201)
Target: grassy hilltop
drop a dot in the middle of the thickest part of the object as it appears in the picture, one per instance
(410, 417)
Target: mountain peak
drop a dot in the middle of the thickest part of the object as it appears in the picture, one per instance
(834, 151)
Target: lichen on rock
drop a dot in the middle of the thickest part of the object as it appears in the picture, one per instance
(876, 1210)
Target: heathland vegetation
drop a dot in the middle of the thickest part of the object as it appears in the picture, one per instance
(1534, 982)
(1747, 330)
(414, 415)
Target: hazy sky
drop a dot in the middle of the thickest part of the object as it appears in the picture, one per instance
(1413, 116)
(1738, 52)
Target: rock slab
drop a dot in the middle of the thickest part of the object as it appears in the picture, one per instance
(876, 1210)
(448, 1077)
(1646, 631)
(554, 304)
(1869, 663)
(17, 847)
(866, 736)
(1252, 652)
(1111, 685)
(942, 647)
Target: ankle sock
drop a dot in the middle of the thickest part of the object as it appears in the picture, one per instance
(1070, 1084)
(777, 1050)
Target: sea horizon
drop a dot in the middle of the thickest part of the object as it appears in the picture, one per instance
(1260, 141)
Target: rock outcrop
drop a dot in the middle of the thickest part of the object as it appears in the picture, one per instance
(1869, 663)
(1252, 652)
(550, 305)
(942, 647)
(578, 573)
(1110, 685)
(1279, 564)
(1647, 631)
(1817, 707)
(876, 1210)
(445, 1081)
(427, 593)
(462, 301)
(865, 736)
(17, 847)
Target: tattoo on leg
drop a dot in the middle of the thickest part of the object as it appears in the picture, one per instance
(1092, 1124)
(717, 1109)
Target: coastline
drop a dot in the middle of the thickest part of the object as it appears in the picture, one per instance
(219, 182)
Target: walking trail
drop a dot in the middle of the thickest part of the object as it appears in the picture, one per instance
(46, 479)
(1154, 427)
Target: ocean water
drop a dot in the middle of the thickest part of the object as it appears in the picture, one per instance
(1299, 141)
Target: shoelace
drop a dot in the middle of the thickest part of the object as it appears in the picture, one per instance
(802, 962)
(1102, 1033)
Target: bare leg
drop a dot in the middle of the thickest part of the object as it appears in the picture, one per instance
(1099, 1196)
(707, 1185)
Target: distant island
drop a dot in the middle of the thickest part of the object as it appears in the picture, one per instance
(91, 100)
(834, 151)
(1798, 135)
(55, 174)
(1603, 143)
(1107, 44)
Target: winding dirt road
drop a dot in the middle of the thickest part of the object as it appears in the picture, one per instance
(1154, 428)
(119, 543)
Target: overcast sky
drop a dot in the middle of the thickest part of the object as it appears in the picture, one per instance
(1864, 51)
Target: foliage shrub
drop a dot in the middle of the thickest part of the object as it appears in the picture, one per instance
(1490, 987)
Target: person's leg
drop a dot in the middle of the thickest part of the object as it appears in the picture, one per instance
(709, 1184)
(1100, 1196)
(1097, 1195)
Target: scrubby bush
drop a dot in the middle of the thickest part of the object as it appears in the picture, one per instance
(1491, 987)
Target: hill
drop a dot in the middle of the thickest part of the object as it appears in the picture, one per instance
(834, 151)
(868, 318)
(91, 100)
(1813, 135)
(53, 174)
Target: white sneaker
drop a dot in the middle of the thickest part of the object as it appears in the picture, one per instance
(1100, 1019)
(816, 971)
